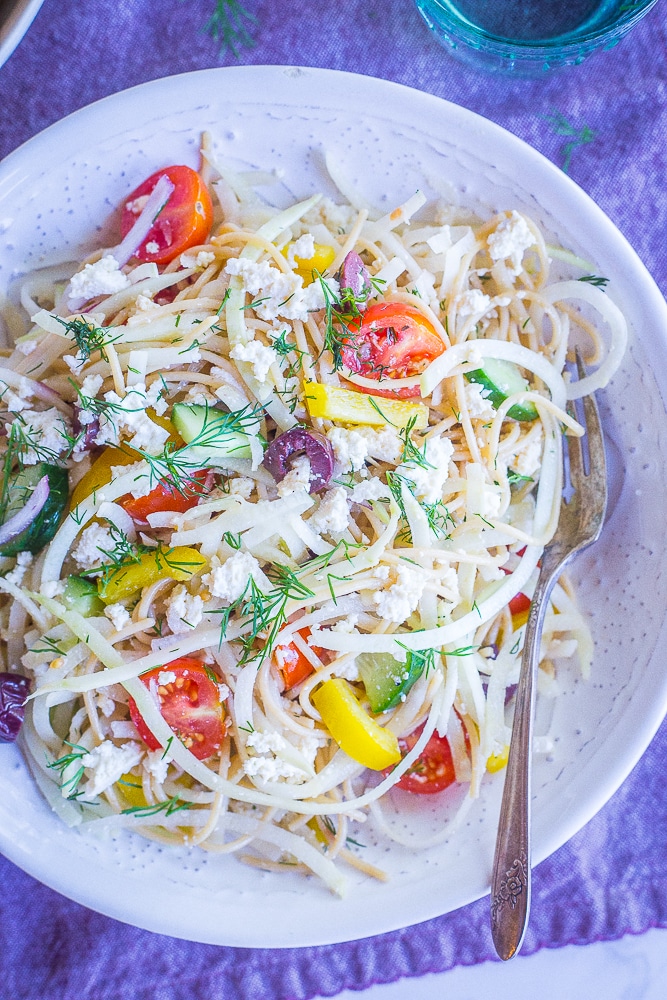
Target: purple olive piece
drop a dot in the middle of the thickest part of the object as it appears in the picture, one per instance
(353, 275)
(283, 449)
(89, 430)
(14, 689)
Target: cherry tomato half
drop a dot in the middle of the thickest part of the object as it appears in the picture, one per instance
(433, 770)
(392, 340)
(293, 665)
(167, 496)
(190, 705)
(184, 222)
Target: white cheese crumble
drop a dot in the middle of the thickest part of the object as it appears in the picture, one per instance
(304, 248)
(91, 385)
(45, 433)
(229, 580)
(53, 588)
(472, 303)
(526, 459)
(127, 417)
(281, 294)
(104, 277)
(350, 448)
(511, 238)
(166, 677)
(15, 575)
(18, 399)
(156, 764)
(118, 615)
(256, 354)
(479, 406)
(94, 542)
(241, 486)
(202, 260)
(108, 763)
(383, 444)
(400, 599)
(370, 489)
(184, 610)
(333, 514)
(430, 478)
(298, 477)
(448, 581)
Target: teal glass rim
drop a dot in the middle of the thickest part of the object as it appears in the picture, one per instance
(456, 30)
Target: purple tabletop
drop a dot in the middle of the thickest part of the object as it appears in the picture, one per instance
(605, 122)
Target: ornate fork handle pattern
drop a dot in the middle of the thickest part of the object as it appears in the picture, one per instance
(579, 525)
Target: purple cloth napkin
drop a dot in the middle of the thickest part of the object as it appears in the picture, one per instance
(606, 123)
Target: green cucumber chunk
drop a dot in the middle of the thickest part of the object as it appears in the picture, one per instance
(45, 525)
(207, 430)
(81, 595)
(386, 679)
(500, 379)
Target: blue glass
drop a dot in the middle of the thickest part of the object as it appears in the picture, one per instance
(528, 37)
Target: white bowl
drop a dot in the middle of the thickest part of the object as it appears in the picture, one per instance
(15, 22)
(57, 194)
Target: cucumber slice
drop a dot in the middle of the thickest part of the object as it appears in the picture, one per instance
(45, 525)
(386, 679)
(501, 379)
(210, 433)
(81, 595)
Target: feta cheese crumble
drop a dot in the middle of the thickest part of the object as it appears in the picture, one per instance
(108, 763)
(256, 354)
(94, 542)
(127, 417)
(229, 580)
(281, 294)
(104, 277)
(118, 615)
(430, 478)
(511, 238)
(184, 610)
(400, 599)
(350, 448)
(333, 514)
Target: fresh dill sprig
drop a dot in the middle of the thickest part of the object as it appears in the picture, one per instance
(226, 26)
(170, 806)
(88, 337)
(178, 465)
(595, 279)
(62, 763)
(411, 453)
(264, 613)
(437, 515)
(576, 136)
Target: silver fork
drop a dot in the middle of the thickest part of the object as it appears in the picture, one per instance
(579, 525)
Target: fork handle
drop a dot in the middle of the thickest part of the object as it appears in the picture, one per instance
(511, 879)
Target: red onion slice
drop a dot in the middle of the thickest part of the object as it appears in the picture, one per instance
(24, 517)
(157, 199)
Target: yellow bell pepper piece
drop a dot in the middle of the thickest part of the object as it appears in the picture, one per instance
(131, 789)
(348, 407)
(520, 619)
(99, 474)
(497, 761)
(179, 563)
(353, 729)
(319, 262)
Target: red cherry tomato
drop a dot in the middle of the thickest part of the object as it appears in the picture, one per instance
(519, 604)
(166, 496)
(293, 665)
(190, 705)
(392, 340)
(184, 222)
(433, 770)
